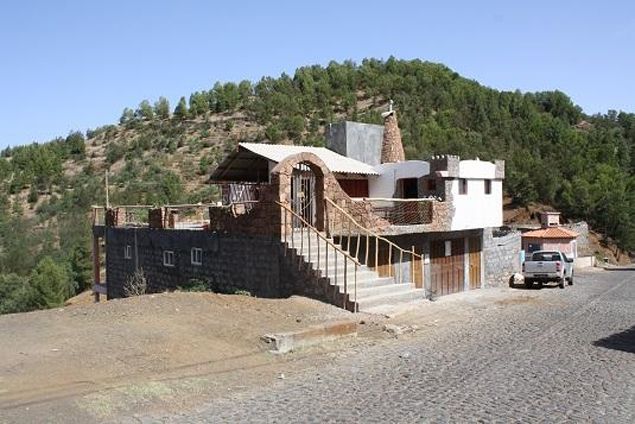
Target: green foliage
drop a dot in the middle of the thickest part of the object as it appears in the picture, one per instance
(76, 145)
(16, 294)
(162, 108)
(52, 284)
(194, 285)
(180, 111)
(127, 116)
(145, 111)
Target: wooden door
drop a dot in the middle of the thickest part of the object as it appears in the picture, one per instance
(417, 268)
(446, 271)
(475, 262)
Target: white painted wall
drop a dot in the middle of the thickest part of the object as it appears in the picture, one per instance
(384, 185)
(477, 169)
(477, 209)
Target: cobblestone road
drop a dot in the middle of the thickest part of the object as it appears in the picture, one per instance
(566, 356)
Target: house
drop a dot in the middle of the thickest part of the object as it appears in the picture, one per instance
(551, 236)
(352, 223)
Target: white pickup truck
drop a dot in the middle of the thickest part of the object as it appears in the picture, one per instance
(548, 265)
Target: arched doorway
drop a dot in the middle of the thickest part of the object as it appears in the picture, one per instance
(303, 195)
(300, 180)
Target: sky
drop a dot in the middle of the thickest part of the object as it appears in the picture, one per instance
(75, 65)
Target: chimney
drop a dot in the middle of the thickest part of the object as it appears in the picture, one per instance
(391, 148)
(550, 219)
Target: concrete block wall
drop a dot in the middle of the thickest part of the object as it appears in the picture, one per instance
(235, 262)
(356, 140)
(501, 257)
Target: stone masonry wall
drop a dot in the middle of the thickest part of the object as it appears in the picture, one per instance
(501, 257)
(582, 228)
(232, 263)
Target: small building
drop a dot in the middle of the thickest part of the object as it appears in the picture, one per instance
(551, 236)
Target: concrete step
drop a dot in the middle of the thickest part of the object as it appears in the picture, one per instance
(388, 299)
(384, 289)
(364, 283)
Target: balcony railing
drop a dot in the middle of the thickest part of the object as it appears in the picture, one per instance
(402, 211)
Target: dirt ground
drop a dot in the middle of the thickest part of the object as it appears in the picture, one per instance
(113, 353)
(172, 352)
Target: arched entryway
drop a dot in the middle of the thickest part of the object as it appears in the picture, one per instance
(303, 197)
(300, 179)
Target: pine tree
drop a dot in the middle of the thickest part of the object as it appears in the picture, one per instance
(180, 111)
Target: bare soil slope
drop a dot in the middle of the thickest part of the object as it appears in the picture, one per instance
(86, 348)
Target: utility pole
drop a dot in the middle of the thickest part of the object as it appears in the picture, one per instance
(107, 198)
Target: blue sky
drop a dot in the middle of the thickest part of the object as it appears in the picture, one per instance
(76, 64)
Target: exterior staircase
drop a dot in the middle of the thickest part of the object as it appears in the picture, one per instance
(361, 287)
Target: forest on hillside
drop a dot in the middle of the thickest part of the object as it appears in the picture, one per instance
(582, 165)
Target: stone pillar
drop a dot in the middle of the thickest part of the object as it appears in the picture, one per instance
(115, 217)
(155, 218)
(392, 148)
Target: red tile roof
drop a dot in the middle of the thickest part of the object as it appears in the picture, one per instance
(551, 233)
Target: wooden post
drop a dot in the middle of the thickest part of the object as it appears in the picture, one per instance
(96, 266)
(412, 265)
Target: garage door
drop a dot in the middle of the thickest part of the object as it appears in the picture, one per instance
(446, 266)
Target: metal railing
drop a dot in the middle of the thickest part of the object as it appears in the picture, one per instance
(402, 211)
(323, 257)
(340, 223)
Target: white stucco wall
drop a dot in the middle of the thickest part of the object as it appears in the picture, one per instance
(477, 209)
(384, 185)
(476, 169)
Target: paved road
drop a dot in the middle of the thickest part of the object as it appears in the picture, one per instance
(560, 356)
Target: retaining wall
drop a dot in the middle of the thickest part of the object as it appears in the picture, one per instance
(501, 257)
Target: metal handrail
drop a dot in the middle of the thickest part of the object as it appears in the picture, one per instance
(312, 230)
(368, 233)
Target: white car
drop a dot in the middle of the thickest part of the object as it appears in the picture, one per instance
(548, 265)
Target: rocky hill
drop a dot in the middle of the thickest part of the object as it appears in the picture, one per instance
(582, 165)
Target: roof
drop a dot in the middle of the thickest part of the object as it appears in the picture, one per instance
(551, 233)
(333, 161)
(246, 163)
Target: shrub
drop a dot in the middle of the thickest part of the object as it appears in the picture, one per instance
(136, 284)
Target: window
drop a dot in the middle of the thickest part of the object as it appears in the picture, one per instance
(197, 256)
(127, 252)
(168, 258)
(409, 188)
(488, 186)
(462, 186)
(448, 248)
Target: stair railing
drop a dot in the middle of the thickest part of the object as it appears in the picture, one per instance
(339, 223)
(305, 229)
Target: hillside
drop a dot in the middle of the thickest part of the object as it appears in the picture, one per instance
(582, 165)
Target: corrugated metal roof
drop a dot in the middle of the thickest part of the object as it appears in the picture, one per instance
(334, 161)
(551, 233)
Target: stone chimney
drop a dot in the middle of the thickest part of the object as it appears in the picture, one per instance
(391, 148)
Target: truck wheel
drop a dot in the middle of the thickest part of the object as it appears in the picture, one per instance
(561, 283)
(570, 282)
(528, 284)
